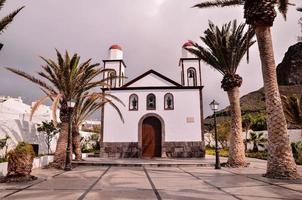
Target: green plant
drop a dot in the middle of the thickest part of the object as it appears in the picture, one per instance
(260, 15)
(4, 22)
(260, 155)
(20, 162)
(64, 80)
(3, 144)
(223, 50)
(50, 130)
(297, 151)
(258, 140)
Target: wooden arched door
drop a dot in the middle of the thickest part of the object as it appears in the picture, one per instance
(151, 137)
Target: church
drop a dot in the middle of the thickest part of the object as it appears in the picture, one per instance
(162, 118)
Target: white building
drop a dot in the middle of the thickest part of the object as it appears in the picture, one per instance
(14, 122)
(163, 118)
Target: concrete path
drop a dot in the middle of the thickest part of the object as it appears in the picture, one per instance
(110, 182)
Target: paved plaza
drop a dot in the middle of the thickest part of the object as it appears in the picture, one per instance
(149, 182)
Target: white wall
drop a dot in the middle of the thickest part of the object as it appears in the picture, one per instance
(186, 105)
(195, 64)
(14, 122)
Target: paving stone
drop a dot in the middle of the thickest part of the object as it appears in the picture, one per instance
(84, 172)
(123, 183)
(297, 187)
(179, 183)
(65, 184)
(21, 185)
(262, 192)
(121, 194)
(6, 192)
(232, 181)
(125, 172)
(192, 194)
(205, 171)
(166, 172)
(45, 195)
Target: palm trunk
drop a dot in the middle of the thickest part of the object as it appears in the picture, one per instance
(236, 150)
(60, 154)
(76, 142)
(280, 162)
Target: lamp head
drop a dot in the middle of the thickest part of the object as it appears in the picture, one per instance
(214, 105)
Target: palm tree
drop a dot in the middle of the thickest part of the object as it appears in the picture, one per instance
(260, 14)
(293, 109)
(257, 140)
(68, 80)
(4, 22)
(85, 107)
(224, 50)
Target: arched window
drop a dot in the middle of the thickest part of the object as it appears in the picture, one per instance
(192, 79)
(133, 102)
(151, 102)
(112, 78)
(169, 101)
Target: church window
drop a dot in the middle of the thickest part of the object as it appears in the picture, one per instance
(151, 102)
(133, 102)
(192, 79)
(112, 78)
(169, 101)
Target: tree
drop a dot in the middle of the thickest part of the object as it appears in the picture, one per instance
(224, 49)
(258, 140)
(64, 80)
(85, 107)
(223, 133)
(260, 15)
(293, 109)
(50, 130)
(4, 22)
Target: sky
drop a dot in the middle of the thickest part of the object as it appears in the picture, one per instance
(151, 33)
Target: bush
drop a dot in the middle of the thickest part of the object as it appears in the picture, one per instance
(222, 152)
(297, 151)
(260, 155)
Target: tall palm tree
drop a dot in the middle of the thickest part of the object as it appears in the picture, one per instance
(260, 14)
(4, 22)
(64, 80)
(85, 107)
(224, 49)
(293, 109)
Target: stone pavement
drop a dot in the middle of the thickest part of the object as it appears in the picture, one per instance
(147, 182)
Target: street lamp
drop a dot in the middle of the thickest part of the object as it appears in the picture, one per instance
(214, 106)
(70, 105)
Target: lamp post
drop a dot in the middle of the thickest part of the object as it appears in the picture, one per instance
(70, 105)
(214, 106)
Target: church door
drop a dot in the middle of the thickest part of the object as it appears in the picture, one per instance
(151, 137)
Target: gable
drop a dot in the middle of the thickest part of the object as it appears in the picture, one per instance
(152, 79)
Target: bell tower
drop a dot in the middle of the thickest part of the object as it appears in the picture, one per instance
(190, 67)
(116, 65)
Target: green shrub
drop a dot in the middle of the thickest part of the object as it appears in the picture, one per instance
(222, 152)
(297, 151)
(260, 155)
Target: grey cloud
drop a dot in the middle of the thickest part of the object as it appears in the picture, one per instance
(150, 31)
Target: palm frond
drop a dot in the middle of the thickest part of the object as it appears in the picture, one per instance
(37, 105)
(219, 3)
(32, 79)
(9, 18)
(54, 107)
(292, 109)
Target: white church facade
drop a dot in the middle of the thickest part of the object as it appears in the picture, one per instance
(162, 118)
